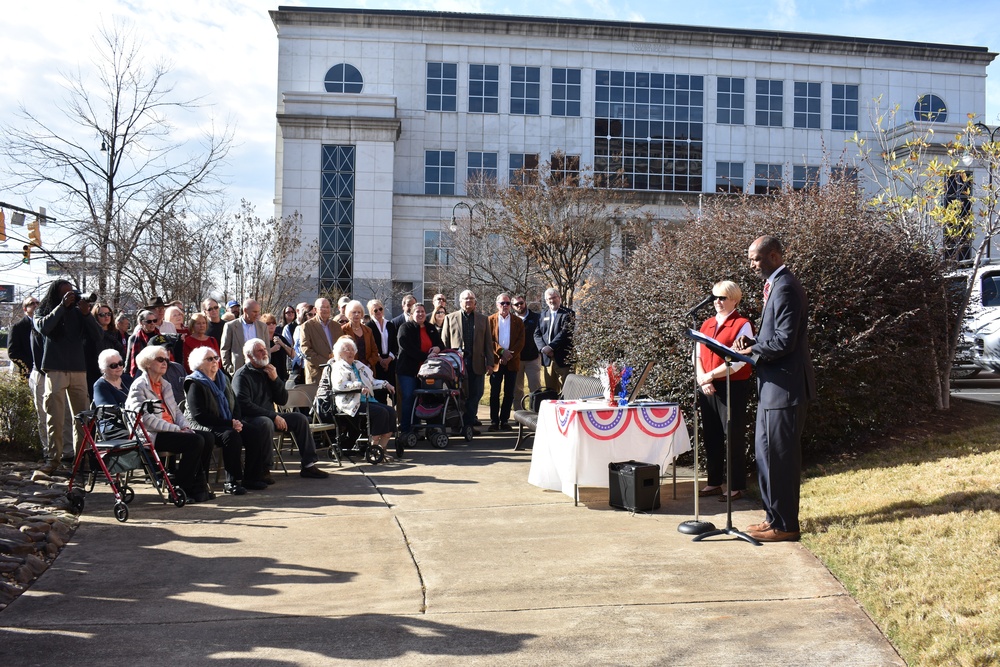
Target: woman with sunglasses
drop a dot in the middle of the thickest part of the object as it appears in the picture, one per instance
(105, 316)
(168, 429)
(149, 328)
(725, 326)
(113, 385)
(214, 410)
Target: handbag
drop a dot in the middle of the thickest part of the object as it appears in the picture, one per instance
(536, 397)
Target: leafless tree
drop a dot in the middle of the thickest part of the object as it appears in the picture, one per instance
(554, 224)
(268, 258)
(117, 171)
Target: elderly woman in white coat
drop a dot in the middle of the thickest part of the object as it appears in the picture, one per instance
(167, 427)
(345, 374)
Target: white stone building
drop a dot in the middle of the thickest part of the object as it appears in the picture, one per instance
(382, 115)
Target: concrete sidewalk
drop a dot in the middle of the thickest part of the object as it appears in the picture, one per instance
(451, 558)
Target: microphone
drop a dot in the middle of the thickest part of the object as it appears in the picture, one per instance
(701, 304)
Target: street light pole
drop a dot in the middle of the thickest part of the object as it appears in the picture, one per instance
(107, 147)
(985, 129)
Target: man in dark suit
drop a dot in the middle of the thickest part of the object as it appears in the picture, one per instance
(388, 346)
(19, 347)
(554, 339)
(469, 331)
(404, 316)
(785, 384)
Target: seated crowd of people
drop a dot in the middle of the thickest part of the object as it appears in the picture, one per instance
(217, 376)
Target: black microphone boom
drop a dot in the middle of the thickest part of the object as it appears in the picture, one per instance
(701, 304)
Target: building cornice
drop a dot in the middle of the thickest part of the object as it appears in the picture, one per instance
(644, 37)
(348, 129)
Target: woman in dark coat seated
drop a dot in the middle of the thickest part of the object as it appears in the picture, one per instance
(212, 407)
(112, 387)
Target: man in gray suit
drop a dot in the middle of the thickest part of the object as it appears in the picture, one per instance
(785, 383)
(469, 331)
(237, 332)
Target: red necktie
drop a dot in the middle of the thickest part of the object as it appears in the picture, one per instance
(767, 292)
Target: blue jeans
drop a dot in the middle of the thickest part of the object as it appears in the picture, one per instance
(407, 385)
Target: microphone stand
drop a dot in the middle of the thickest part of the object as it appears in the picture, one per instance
(728, 530)
(695, 526)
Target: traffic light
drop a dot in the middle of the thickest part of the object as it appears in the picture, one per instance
(35, 233)
(3, 229)
(26, 254)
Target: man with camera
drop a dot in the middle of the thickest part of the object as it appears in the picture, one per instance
(65, 323)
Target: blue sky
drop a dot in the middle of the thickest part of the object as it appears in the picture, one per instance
(225, 52)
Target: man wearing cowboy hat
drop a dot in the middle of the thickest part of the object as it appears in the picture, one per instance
(156, 306)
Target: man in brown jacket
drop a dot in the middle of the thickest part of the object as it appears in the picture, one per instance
(469, 331)
(318, 336)
(508, 340)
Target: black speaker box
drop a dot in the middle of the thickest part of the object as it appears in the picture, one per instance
(634, 486)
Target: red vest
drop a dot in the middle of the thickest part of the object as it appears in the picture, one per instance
(725, 334)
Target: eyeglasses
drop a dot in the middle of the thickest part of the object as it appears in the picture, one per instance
(213, 358)
(716, 297)
(504, 303)
(518, 304)
(213, 308)
(117, 364)
(104, 314)
(162, 360)
(378, 310)
(151, 321)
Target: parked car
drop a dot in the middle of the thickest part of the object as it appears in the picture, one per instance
(982, 319)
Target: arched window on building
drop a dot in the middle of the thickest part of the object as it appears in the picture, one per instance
(930, 108)
(344, 78)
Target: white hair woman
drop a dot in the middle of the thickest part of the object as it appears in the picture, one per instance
(212, 408)
(366, 350)
(725, 326)
(346, 374)
(166, 424)
(113, 385)
(175, 316)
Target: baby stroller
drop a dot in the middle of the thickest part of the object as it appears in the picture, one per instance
(440, 400)
(115, 443)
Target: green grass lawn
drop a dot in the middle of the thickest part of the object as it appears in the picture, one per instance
(912, 529)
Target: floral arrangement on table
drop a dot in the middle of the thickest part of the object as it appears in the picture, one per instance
(613, 378)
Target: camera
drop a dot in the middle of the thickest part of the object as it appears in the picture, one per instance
(86, 296)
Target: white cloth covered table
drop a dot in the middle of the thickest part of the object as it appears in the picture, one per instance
(576, 440)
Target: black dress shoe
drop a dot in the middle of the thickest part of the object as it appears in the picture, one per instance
(255, 484)
(506, 427)
(313, 472)
(493, 428)
(476, 431)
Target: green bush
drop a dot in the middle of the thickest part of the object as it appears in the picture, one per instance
(18, 420)
(877, 305)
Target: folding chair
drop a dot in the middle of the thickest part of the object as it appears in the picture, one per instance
(297, 399)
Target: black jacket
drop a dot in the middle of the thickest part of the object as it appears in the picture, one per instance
(256, 393)
(65, 331)
(202, 410)
(410, 356)
(19, 347)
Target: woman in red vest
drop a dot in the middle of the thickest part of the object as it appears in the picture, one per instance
(725, 326)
